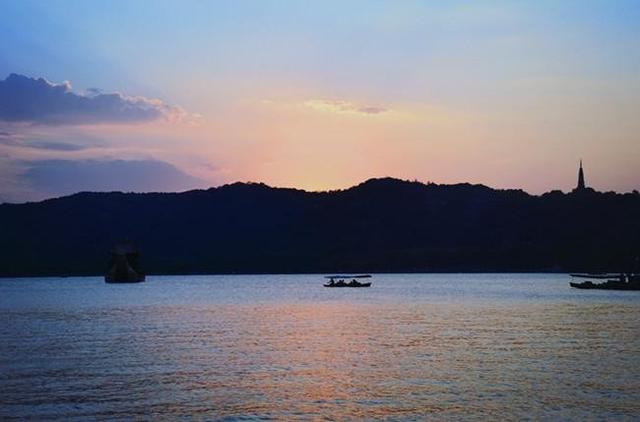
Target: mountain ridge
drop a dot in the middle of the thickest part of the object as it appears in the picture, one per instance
(380, 225)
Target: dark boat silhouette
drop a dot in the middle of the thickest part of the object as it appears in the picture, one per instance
(341, 281)
(615, 281)
(598, 276)
(623, 282)
(125, 265)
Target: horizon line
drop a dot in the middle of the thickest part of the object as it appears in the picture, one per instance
(391, 178)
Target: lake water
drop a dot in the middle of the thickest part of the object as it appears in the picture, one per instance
(413, 346)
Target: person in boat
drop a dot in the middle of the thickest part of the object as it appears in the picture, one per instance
(340, 283)
(354, 282)
(332, 282)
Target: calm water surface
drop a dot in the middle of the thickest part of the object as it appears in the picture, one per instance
(440, 347)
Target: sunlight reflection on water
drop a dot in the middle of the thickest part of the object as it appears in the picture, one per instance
(407, 348)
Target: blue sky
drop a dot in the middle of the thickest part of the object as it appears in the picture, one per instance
(486, 92)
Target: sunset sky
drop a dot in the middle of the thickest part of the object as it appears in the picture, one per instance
(169, 96)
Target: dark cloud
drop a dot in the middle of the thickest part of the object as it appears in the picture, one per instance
(30, 100)
(64, 177)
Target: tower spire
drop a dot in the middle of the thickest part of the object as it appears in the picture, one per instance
(581, 184)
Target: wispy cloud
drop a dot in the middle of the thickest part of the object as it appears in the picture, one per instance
(38, 101)
(20, 141)
(336, 106)
(343, 106)
(45, 145)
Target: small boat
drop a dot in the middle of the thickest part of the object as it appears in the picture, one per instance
(597, 276)
(341, 281)
(622, 282)
(124, 266)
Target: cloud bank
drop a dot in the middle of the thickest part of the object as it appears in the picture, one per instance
(38, 101)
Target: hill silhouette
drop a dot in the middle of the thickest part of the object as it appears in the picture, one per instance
(381, 225)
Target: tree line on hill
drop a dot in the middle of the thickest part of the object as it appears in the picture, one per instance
(381, 225)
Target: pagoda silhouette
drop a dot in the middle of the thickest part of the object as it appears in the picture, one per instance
(582, 187)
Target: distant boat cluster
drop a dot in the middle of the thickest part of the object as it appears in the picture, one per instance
(125, 268)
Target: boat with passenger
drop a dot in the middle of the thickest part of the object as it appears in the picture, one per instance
(621, 281)
(599, 276)
(342, 283)
(614, 281)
